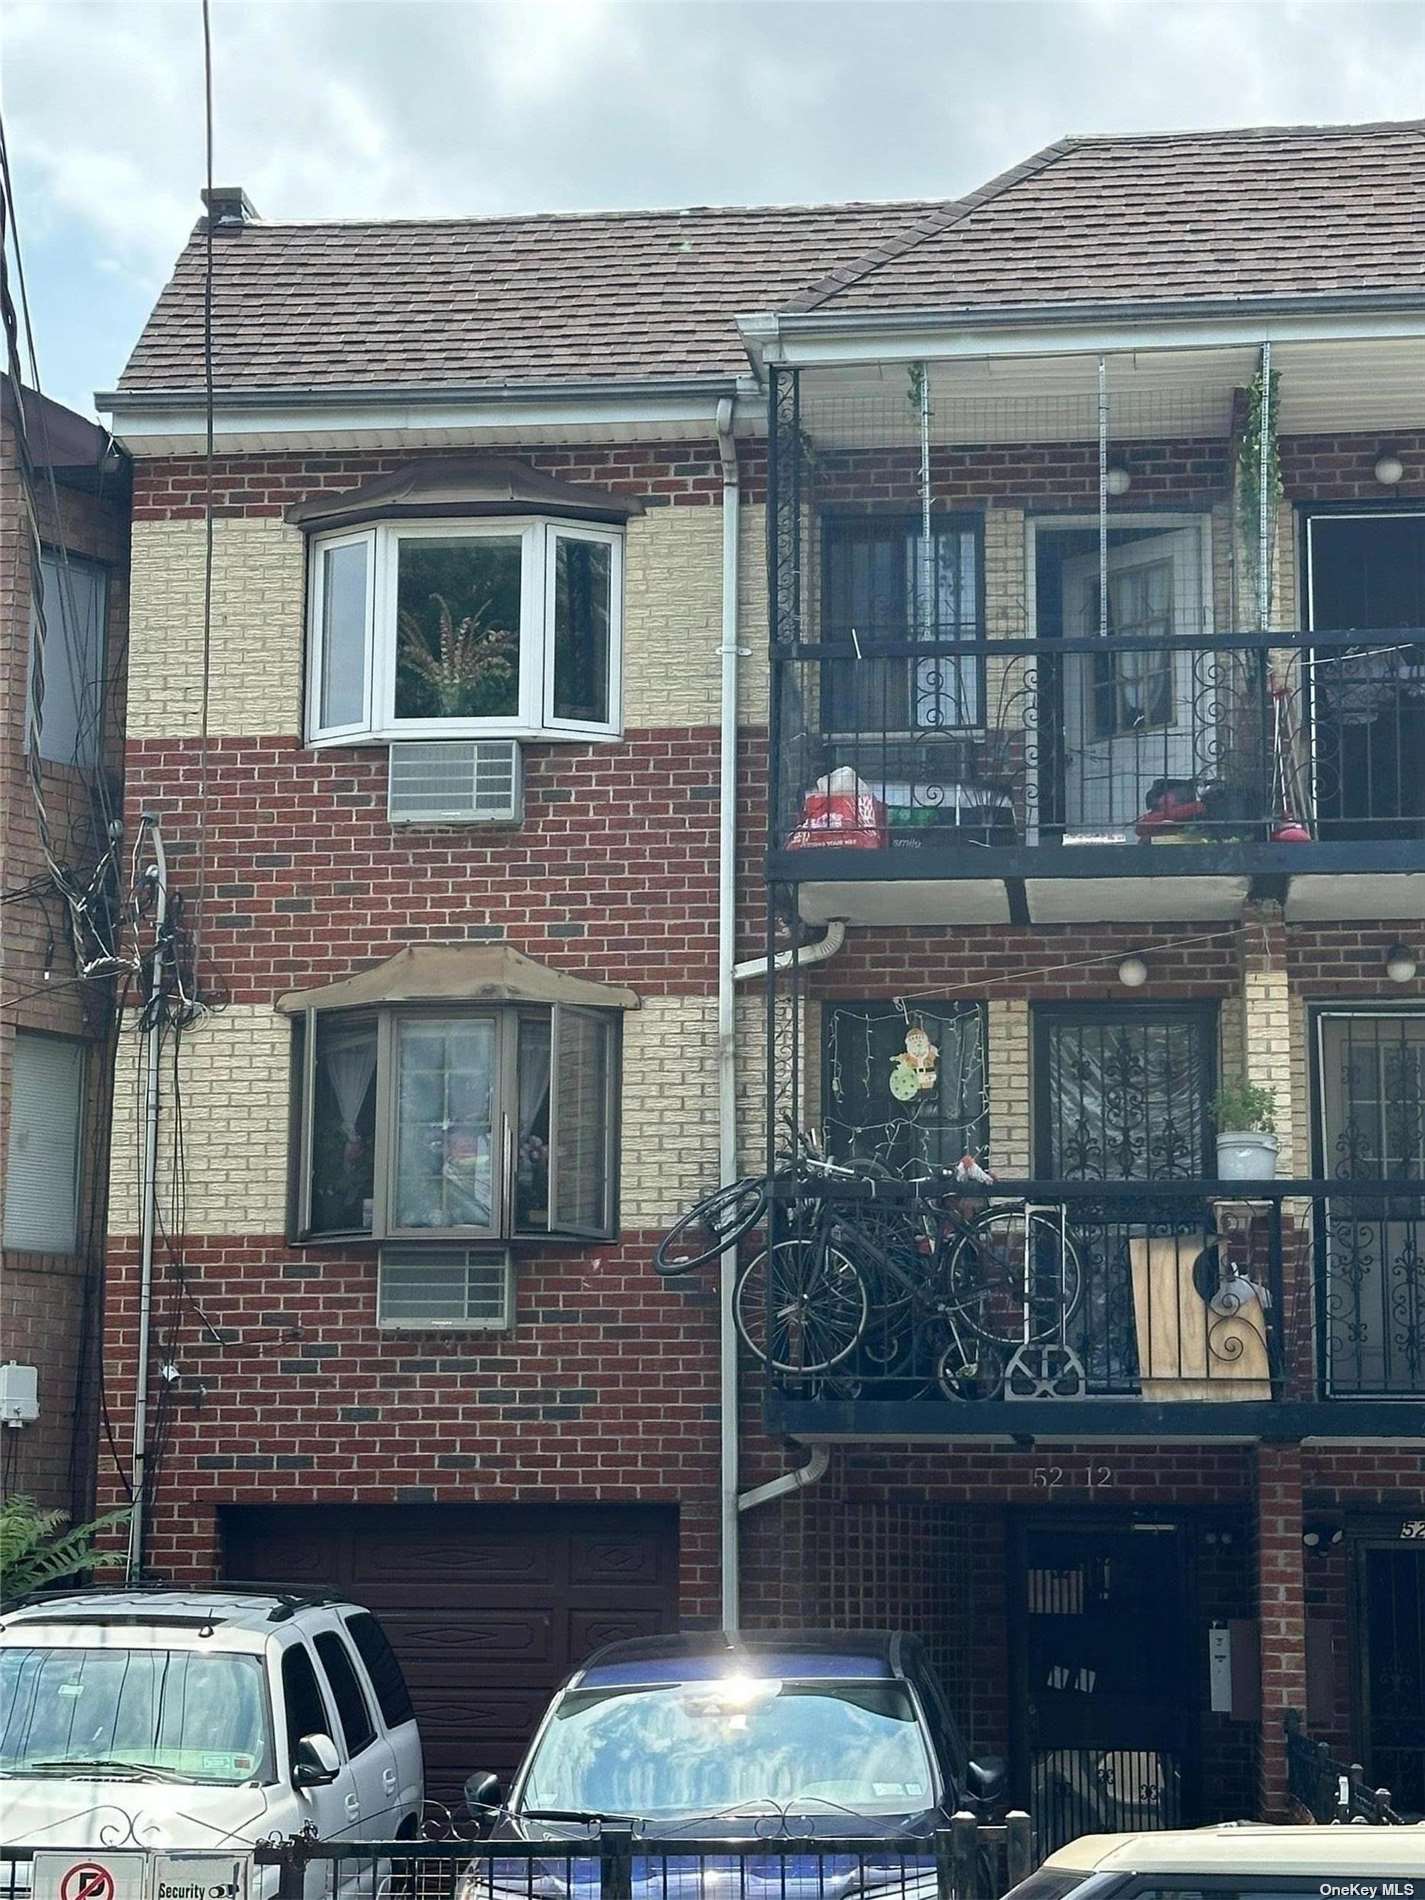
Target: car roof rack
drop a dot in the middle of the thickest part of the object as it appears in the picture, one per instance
(288, 1600)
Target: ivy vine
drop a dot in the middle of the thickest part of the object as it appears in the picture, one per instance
(1254, 470)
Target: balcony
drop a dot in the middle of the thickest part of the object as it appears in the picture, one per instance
(1073, 638)
(1098, 1308)
(937, 779)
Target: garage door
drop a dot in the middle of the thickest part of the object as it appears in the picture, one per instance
(487, 1606)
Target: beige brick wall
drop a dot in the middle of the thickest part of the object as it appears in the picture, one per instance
(1268, 1013)
(672, 624)
(236, 1069)
(1007, 1035)
(256, 648)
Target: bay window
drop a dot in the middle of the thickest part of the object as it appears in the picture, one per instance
(452, 602)
(456, 1093)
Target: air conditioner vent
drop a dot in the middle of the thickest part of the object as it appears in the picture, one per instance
(455, 782)
(432, 1286)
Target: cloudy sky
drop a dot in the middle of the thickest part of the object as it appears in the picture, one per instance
(346, 108)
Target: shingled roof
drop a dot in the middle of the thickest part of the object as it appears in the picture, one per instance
(613, 296)
(634, 296)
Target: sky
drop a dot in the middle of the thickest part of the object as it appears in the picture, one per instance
(362, 108)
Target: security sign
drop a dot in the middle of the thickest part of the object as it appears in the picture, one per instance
(78, 1875)
(201, 1877)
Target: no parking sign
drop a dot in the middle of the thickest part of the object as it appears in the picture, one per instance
(132, 1875)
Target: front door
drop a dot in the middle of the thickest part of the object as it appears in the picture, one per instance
(1391, 1622)
(1107, 1741)
(1129, 710)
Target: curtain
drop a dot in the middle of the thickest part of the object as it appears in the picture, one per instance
(349, 1064)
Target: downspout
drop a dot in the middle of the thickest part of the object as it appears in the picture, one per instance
(788, 1482)
(727, 1008)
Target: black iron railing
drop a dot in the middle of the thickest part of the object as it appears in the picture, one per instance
(1164, 1291)
(969, 1860)
(1328, 1789)
(958, 744)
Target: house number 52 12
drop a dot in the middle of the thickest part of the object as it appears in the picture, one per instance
(1092, 1477)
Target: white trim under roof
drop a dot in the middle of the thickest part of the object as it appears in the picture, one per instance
(164, 422)
(809, 339)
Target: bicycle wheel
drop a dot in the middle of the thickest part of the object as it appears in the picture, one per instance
(710, 1228)
(969, 1367)
(800, 1306)
(1014, 1276)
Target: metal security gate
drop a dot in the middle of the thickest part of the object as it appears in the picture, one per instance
(1370, 1094)
(1104, 1677)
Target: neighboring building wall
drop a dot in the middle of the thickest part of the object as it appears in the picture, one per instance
(50, 1303)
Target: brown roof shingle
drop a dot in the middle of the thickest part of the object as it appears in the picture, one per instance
(617, 295)
(629, 296)
(1263, 212)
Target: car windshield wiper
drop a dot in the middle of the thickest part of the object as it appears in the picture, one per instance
(586, 1817)
(76, 1764)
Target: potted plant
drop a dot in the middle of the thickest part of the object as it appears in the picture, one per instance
(1245, 1118)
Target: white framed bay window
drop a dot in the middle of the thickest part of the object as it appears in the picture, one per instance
(454, 615)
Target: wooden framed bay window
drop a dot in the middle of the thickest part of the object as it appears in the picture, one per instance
(457, 1093)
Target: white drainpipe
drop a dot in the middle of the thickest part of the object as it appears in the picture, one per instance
(730, 973)
(727, 1006)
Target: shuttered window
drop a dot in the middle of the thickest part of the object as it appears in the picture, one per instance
(42, 1163)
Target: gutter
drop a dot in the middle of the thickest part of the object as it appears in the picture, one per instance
(789, 1482)
(730, 654)
(344, 395)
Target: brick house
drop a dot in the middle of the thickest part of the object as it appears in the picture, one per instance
(1087, 518)
(55, 1029)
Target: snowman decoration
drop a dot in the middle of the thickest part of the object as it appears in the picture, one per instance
(913, 1068)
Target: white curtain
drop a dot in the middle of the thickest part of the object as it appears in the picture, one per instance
(533, 1079)
(349, 1063)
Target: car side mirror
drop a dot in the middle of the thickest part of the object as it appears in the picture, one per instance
(483, 1793)
(315, 1762)
(987, 1779)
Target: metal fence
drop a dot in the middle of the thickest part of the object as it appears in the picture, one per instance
(969, 1860)
(1328, 1789)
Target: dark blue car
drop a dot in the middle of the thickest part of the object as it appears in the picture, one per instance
(763, 1736)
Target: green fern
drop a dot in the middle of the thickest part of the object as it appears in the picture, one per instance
(35, 1550)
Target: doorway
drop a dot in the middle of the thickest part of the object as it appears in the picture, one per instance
(1390, 1619)
(1365, 572)
(1122, 713)
(1103, 1650)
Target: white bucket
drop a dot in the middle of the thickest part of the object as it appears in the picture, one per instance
(1246, 1157)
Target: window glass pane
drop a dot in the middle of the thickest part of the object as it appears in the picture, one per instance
(458, 628)
(532, 1108)
(42, 1164)
(346, 1691)
(583, 592)
(580, 1198)
(872, 1110)
(75, 599)
(343, 1127)
(201, 1717)
(1125, 1096)
(382, 1667)
(342, 698)
(302, 1699)
(444, 1133)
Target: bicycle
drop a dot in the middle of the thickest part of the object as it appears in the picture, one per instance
(994, 1293)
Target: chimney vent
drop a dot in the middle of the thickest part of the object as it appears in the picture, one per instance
(229, 207)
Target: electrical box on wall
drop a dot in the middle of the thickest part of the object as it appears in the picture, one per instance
(19, 1394)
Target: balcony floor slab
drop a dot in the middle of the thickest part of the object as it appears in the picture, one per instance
(1374, 896)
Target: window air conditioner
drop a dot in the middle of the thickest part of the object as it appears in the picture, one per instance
(420, 1286)
(455, 782)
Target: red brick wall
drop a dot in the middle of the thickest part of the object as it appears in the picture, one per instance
(606, 1391)
(49, 1303)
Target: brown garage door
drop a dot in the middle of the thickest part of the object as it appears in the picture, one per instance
(487, 1606)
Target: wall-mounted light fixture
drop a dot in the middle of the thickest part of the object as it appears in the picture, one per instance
(1320, 1533)
(1400, 963)
(1117, 480)
(1133, 973)
(1388, 469)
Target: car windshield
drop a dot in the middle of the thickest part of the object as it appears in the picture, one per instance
(201, 1718)
(711, 1747)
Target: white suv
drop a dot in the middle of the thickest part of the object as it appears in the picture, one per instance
(204, 1718)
